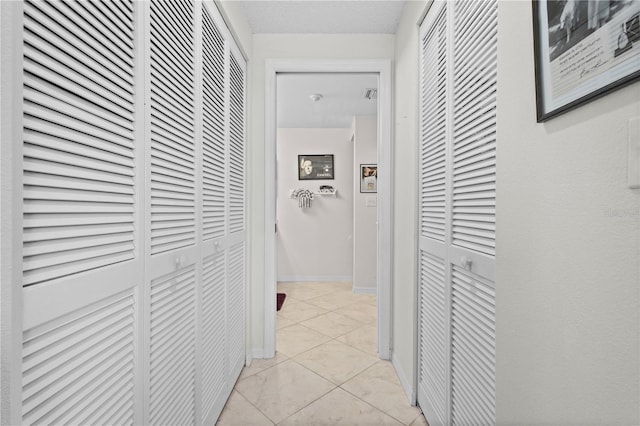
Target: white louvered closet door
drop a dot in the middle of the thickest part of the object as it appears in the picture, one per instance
(215, 150)
(458, 142)
(236, 224)
(172, 269)
(82, 264)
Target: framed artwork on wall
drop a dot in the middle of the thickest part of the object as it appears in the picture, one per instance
(315, 167)
(368, 178)
(583, 50)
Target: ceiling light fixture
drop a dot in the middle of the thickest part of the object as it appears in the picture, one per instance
(315, 97)
(370, 94)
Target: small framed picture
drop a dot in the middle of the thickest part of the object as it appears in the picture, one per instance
(315, 167)
(368, 178)
(583, 50)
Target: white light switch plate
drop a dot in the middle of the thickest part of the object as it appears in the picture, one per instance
(370, 202)
(633, 164)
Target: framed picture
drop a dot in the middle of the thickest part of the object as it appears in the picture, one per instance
(583, 50)
(368, 178)
(315, 167)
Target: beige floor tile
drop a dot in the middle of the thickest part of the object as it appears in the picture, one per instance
(370, 299)
(307, 291)
(335, 300)
(360, 311)
(282, 322)
(379, 386)
(297, 339)
(258, 365)
(364, 339)
(332, 324)
(339, 408)
(283, 389)
(239, 412)
(336, 361)
(420, 421)
(301, 311)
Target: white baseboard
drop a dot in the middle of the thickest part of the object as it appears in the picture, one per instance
(407, 384)
(320, 278)
(365, 290)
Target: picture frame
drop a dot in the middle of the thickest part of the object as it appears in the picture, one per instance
(316, 167)
(368, 178)
(583, 50)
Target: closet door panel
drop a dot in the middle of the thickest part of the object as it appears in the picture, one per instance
(215, 152)
(473, 222)
(172, 109)
(174, 258)
(433, 376)
(236, 219)
(214, 336)
(172, 349)
(82, 266)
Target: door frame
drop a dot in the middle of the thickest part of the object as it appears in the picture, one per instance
(382, 67)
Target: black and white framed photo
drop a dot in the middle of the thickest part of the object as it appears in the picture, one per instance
(315, 167)
(368, 178)
(583, 50)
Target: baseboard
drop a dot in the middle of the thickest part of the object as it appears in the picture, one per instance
(257, 353)
(317, 278)
(407, 384)
(365, 290)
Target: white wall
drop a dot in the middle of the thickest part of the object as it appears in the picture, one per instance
(405, 230)
(281, 46)
(567, 250)
(315, 244)
(365, 236)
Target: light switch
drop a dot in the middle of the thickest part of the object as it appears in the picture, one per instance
(633, 161)
(370, 201)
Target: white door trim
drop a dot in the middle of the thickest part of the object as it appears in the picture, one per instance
(382, 67)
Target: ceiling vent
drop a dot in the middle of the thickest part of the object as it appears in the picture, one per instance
(370, 94)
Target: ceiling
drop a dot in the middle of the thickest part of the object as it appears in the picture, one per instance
(324, 17)
(342, 99)
(342, 93)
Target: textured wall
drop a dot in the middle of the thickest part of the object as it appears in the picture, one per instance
(567, 250)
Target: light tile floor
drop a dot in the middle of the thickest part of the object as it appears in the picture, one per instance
(326, 370)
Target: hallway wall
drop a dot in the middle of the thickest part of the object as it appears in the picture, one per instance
(365, 218)
(405, 263)
(567, 250)
(315, 244)
(283, 46)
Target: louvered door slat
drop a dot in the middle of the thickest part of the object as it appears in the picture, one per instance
(78, 143)
(71, 366)
(214, 340)
(81, 42)
(172, 351)
(214, 159)
(433, 367)
(433, 135)
(474, 126)
(172, 126)
(473, 349)
(236, 147)
(235, 313)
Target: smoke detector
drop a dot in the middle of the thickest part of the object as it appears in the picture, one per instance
(315, 97)
(370, 93)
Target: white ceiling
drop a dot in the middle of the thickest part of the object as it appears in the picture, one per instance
(324, 17)
(342, 93)
(341, 99)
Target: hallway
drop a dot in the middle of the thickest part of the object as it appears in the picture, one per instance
(326, 370)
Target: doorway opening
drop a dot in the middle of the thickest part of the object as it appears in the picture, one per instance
(380, 70)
